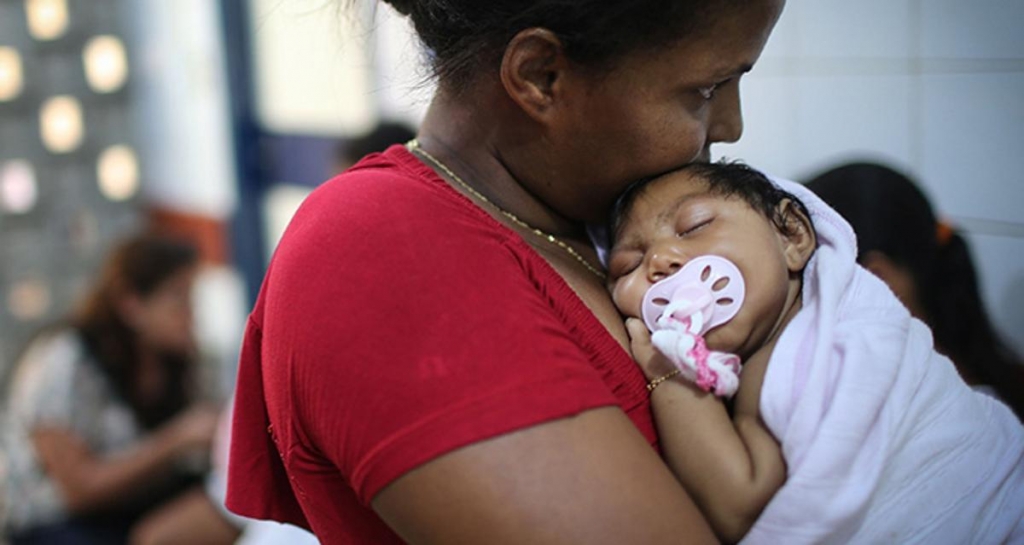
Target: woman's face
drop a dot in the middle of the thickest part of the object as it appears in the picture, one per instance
(656, 110)
(163, 318)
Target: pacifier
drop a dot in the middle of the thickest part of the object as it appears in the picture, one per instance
(708, 291)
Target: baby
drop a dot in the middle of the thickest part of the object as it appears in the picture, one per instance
(846, 425)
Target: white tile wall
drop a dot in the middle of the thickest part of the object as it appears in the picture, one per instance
(798, 125)
(976, 29)
(784, 41)
(842, 116)
(768, 126)
(972, 134)
(932, 87)
(840, 28)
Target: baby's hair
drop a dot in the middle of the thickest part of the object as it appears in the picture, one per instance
(727, 179)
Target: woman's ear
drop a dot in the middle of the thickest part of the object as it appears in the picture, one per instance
(533, 70)
(798, 237)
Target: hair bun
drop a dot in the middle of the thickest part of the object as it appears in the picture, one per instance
(402, 6)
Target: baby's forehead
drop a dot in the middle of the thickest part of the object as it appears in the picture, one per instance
(657, 200)
(675, 183)
(664, 194)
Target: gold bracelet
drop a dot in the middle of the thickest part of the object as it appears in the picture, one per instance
(654, 383)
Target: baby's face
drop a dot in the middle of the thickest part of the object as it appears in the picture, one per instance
(676, 219)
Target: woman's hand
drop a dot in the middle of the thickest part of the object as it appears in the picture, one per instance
(653, 363)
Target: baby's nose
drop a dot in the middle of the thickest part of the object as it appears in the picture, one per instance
(664, 263)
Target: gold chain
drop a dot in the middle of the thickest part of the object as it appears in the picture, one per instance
(414, 146)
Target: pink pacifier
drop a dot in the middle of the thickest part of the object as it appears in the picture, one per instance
(709, 290)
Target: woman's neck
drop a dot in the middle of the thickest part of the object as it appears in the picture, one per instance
(467, 139)
(469, 143)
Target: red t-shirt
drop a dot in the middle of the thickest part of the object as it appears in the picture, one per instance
(398, 322)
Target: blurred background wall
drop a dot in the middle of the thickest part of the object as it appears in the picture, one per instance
(228, 112)
(70, 179)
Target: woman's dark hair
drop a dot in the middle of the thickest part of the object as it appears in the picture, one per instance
(139, 266)
(891, 215)
(465, 36)
(727, 179)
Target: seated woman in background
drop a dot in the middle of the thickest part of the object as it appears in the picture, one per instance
(102, 422)
(928, 266)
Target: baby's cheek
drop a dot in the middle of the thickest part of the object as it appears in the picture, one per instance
(727, 337)
(628, 295)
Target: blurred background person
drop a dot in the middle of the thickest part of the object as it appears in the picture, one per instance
(103, 421)
(928, 265)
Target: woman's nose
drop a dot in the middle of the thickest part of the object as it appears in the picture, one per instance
(726, 121)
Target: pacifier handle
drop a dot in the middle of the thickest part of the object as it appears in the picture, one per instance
(701, 275)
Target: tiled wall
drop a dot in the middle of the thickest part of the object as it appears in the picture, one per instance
(59, 210)
(933, 87)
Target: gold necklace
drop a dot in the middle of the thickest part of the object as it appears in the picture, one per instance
(414, 146)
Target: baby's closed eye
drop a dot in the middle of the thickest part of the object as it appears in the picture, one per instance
(689, 225)
(621, 263)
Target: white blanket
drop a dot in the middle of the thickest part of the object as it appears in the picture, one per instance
(883, 441)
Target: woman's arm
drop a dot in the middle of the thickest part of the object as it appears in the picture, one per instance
(591, 479)
(732, 465)
(89, 482)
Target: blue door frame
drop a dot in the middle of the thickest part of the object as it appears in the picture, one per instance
(262, 158)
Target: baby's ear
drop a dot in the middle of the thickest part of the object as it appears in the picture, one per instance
(798, 237)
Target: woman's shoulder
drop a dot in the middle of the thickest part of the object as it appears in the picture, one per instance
(392, 207)
(384, 185)
(53, 375)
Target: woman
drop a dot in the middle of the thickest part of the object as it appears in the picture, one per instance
(101, 409)
(434, 356)
(928, 266)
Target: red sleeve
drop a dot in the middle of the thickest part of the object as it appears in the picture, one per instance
(400, 324)
(251, 448)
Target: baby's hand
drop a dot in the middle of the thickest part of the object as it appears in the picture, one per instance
(653, 363)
